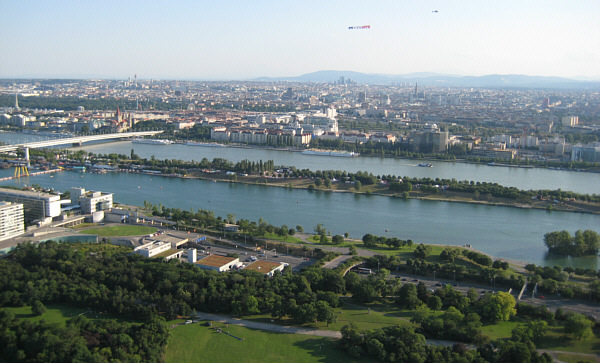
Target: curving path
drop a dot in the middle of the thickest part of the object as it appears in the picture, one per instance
(266, 326)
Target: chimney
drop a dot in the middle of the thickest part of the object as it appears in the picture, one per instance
(192, 255)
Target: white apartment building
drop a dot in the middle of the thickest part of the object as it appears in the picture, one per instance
(11, 220)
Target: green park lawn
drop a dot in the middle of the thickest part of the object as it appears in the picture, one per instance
(288, 239)
(119, 230)
(200, 343)
(55, 314)
(348, 313)
(555, 339)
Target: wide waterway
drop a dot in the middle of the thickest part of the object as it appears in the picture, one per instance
(504, 232)
(535, 178)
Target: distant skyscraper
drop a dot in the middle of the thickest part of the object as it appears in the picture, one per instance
(16, 101)
(362, 97)
(288, 94)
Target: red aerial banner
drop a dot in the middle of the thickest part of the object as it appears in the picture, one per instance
(360, 27)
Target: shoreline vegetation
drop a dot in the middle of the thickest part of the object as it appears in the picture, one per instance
(360, 183)
(544, 203)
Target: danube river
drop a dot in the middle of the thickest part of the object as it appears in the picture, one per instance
(536, 178)
(504, 232)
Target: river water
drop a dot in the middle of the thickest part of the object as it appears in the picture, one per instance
(504, 232)
(535, 178)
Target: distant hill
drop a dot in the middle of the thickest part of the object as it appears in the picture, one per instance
(436, 79)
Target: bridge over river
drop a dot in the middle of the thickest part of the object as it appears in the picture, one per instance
(73, 141)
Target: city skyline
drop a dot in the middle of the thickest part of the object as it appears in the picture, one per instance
(237, 40)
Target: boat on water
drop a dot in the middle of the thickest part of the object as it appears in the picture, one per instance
(152, 141)
(347, 154)
(426, 165)
(209, 144)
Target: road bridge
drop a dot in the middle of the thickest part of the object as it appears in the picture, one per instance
(78, 140)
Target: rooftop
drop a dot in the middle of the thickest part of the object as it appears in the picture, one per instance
(29, 193)
(215, 260)
(167, 253)
(262, 266)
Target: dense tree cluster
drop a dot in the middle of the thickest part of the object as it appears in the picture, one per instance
(82, 340)
(370, 240)
(403, 344)
(136, 287)
(584, 243)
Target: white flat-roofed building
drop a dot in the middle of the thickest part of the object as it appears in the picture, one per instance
(266, 267)
(11, 220)
(152, 249)
(218, 263)
(90, 201)
(36, 205)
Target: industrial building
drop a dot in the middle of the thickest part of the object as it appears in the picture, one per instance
(266, 267)
(11, 220)
(91, 201)
(589, 152)
(218, 263)
(36, 205)
(158, 249)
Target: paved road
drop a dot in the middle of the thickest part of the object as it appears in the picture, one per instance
(266, 326)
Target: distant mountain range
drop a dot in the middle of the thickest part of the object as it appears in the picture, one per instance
(436, 79)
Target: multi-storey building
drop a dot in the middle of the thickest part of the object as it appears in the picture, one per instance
(36, 205)
(90, 201)
(11, 220)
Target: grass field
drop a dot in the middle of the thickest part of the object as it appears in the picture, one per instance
(199, 343)
(348, 313)
(55, 313)
(119, 230)
(288, 239)
(555, 339)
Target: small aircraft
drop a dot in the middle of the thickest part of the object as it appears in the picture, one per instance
(435, 11)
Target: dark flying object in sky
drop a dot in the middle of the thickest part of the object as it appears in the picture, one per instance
(434, 11)
(360, 27)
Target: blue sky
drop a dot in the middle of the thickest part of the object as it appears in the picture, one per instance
(246, 39)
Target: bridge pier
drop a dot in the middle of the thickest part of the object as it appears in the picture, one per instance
(27, 157)
(76, 144)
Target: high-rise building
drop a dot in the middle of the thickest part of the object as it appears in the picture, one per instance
(362, 97)
(11, 220)
(570, 120)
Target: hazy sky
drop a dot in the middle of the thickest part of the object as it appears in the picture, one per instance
(245, 39)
